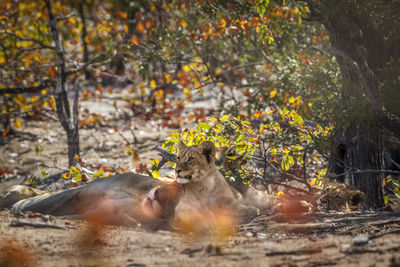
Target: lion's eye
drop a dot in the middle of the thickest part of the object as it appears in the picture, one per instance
(190, 159)
(178, 158)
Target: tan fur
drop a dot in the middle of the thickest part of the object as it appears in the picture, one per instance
(202, 185)
(17, 192)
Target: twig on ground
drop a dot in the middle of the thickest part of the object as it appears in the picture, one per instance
(309, 250)
(18, 223)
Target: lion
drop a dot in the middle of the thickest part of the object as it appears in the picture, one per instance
(203, 189)
(131, 198)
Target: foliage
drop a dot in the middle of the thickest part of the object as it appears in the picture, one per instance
(257, 147)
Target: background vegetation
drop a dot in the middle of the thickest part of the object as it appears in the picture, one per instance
(308, 89)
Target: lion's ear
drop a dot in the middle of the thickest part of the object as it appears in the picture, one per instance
(207, 148)
(181, 146)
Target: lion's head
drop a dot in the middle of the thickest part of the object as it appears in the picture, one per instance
(195, 162)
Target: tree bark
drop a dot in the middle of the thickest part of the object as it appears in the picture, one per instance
(61, 95)
(358, 143)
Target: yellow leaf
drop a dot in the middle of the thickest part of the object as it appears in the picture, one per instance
(159, 94)
(184, 23)
(262, 129)
(17, 124)
(186, 91)
(126, 28)
(222, 23)
(155, 173)
(168, 78)
(72, 20)
(43, 92)
(273, 93)
(186, 68)
(153, 84)
(218, 71)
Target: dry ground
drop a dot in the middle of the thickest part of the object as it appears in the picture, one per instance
(330, 239)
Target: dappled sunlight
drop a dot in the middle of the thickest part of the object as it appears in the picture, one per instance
(214, 224)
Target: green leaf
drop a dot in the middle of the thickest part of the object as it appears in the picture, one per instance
(38, 149)
(44, 174)
(397, 191)
(225, 118)
(240, 138)
(291, 160)
(98, 174)
(386, 199)
(204, 125)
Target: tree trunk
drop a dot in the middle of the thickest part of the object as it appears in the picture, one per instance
(73, 146)
(363, 151)
(358, 143)
(69, 122)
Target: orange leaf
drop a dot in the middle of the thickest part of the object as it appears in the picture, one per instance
(252, 139)
(257, 114)
(140, 27)
(135, 40)
(5, 132)
(313, 181)
(191, 117)
(122, 15)
(280, 194)
(52, 72)
(149, 23)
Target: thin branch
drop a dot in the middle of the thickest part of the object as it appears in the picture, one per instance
(367, 171)
(86, 64)
(29, 40)
(291, 187)
(66, 17)
(165, 156)
(33, 89)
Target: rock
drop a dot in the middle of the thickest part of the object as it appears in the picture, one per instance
(361, 239)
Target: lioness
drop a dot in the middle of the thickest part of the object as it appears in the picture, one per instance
(202, 187)
(199, 188)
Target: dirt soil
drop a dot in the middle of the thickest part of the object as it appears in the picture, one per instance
(323, 239)
(328, 239)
